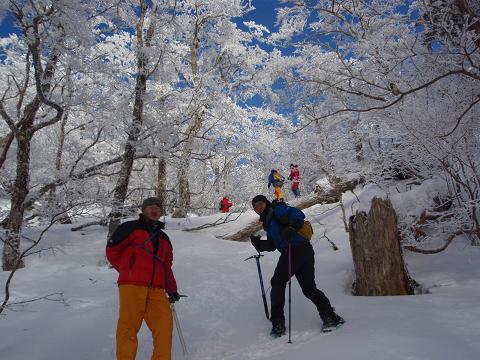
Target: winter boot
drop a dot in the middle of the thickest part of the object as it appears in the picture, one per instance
(278, 329)
(332, 322)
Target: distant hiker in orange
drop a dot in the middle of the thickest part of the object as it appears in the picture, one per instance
(142, 254)
(276, 179)
(295, 178)
(225, 204)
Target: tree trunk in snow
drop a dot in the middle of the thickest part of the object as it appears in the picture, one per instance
(216, 172)
(65, 218)
(376, 252)
(25, 128)
(357, 139)
(11, 247)
(24, 131)
(5, 143)
(121, 187)
(183, 201)
(123, 180)
(161, 192)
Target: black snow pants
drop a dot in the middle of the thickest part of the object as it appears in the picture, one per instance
(303, 268)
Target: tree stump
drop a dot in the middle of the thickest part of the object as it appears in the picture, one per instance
(376, 252)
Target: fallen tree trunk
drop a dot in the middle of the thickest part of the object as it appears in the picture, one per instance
(330, 195)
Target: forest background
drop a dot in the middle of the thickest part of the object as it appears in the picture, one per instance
(106, 102)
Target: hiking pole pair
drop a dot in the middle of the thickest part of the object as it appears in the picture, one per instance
(179, 329)
(259, 269)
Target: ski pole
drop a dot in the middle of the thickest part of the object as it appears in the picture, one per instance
(289, 293)
(259, 269)
(179, 330)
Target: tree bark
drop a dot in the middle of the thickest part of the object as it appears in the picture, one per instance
(26, 128)
(216, 172)
(357, 140)
(121, 187)
(376, 252)
(11, 247)
(183, 200)
(183, 204)
(65, 218)
(161, 191)
(5, 145)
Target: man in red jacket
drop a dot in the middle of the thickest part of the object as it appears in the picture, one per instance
(142, 254)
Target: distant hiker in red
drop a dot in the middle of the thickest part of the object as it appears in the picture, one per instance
(295, 178)
(142, 254)
(226, 204)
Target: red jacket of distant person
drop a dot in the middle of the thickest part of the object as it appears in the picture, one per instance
(226, 204)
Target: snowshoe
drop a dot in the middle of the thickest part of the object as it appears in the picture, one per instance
(278, 330)
(331, 323)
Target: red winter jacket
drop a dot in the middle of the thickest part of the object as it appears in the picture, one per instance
(294, 175)
(226, 204)
(139, 259)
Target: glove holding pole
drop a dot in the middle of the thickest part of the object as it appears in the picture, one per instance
(174, 297)
(254, 240)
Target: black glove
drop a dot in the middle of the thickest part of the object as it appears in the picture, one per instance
(255, 241)
(173, 297)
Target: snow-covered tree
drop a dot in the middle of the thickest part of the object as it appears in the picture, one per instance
(33, 91)
(216, 71)
(402, 79)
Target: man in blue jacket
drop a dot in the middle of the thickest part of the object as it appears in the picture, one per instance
(281, 222)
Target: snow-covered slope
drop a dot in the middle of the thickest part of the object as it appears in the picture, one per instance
(223, 316)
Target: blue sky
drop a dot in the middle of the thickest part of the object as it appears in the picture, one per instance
(264, 14)
(7, 26)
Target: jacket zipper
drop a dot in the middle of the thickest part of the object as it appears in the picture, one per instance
(153, 271)
(132, 262)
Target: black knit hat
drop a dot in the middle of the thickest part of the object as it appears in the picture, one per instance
(151, 201)
(260, 198)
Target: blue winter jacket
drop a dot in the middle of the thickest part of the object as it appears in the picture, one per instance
(275, 181)
(281, 225)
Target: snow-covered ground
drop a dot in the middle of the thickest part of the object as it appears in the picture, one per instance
(223, 316)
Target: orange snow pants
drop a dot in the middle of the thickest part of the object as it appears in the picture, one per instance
(278, 193)
(138, 303)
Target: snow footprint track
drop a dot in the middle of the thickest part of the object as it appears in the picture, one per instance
(268, 348)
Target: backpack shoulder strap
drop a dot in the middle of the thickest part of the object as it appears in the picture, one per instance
(292, 217)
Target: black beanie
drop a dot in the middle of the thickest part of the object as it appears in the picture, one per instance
(151, 201)
(260, 198)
